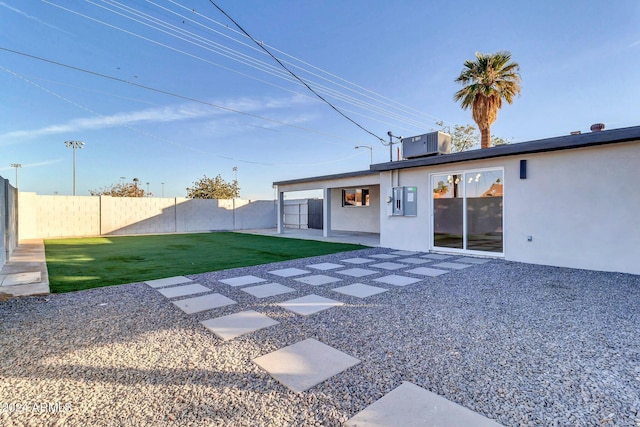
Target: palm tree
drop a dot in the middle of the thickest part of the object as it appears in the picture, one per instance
(487, 81)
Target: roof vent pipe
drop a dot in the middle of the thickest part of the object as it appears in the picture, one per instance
(597, 127)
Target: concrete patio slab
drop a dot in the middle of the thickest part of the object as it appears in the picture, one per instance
(397, 280)
(357, 260)
(415, 260)
(470, 260)
(168, 281)
(426, 271)
(404, 253)
(268, 290)
(388, 265)
(437, 256)
(25, 278)
(242, 280)
(205, 302)
(318, 279)
(305, 364)
(309, 304)
(383, 256)
(25, 272)
(357, 272)
(184, 290)
(410, 405)
(360, 290)
(289, 272)
(325, 266)
(453, 265)
(237, 324)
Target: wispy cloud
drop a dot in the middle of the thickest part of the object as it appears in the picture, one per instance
(26, 15)
(34, 165)
(166, 114)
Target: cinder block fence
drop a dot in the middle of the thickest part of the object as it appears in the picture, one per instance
(76, 216)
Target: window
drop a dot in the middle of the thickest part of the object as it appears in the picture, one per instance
(355, 197)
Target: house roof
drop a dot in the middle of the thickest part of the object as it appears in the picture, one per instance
(327, 177)
(567, 142)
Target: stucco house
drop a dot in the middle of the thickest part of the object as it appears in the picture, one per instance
(571, 201)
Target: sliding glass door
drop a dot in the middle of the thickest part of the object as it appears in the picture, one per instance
(467, 210)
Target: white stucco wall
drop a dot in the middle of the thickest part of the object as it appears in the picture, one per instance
(356, 218)
(580, 206)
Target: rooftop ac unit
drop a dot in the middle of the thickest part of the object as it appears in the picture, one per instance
(428, 144)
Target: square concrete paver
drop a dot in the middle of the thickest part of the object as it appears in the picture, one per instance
(205, 302)
(383, 256)
(389, 265)
(357, 260)
(242, 280)
(360, 290)
(404, 253)
(318, 279)
(268, 290)
(436, 256)
(454, 265)
(397, 280)
(305, 364)
(410, 405)
(160, 283)
(426, 271)
(469, 260)
(289, 272)
(184, 290)
(325, 266)
(309, 304)
(14, 279)
(234, 325)
(357, 272)
(415, 260)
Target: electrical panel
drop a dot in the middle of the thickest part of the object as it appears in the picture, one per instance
(405, 201)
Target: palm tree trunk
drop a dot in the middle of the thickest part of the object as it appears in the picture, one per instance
(485, 137)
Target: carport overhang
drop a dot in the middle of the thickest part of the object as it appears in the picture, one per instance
(325, 183)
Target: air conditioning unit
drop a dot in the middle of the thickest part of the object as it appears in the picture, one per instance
(428, 144)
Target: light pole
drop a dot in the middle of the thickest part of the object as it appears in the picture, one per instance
(147, 188)
(235, 170)
(16, 165)
(370, 147)
(122, 178)
(162, 189)
(74, 145)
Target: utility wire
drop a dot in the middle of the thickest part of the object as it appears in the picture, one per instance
(173, 94)
(150, 135)
(295, 75)
(272, 68)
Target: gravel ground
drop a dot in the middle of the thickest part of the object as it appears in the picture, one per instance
(521, 344)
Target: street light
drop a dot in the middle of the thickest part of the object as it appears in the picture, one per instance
(162, 189)
(370, 147)
(16, 165)
(147, 188)
(74, 145)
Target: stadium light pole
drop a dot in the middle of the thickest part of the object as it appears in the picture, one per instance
(16, 165)
(370, 147)
(74, 145)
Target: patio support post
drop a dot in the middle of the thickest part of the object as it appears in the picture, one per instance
(326, 212)
(280, 212)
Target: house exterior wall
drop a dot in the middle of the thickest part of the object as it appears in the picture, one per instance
(356, 218)
(580, 207)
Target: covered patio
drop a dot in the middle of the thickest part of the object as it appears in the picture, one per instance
(350, 208)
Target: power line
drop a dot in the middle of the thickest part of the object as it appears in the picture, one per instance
(165, 92)
(295, 75)
(153, 136)
(261, 66)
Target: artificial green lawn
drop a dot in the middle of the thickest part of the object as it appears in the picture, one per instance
(76, 264)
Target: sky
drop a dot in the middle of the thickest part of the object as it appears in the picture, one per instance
(168, 91)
